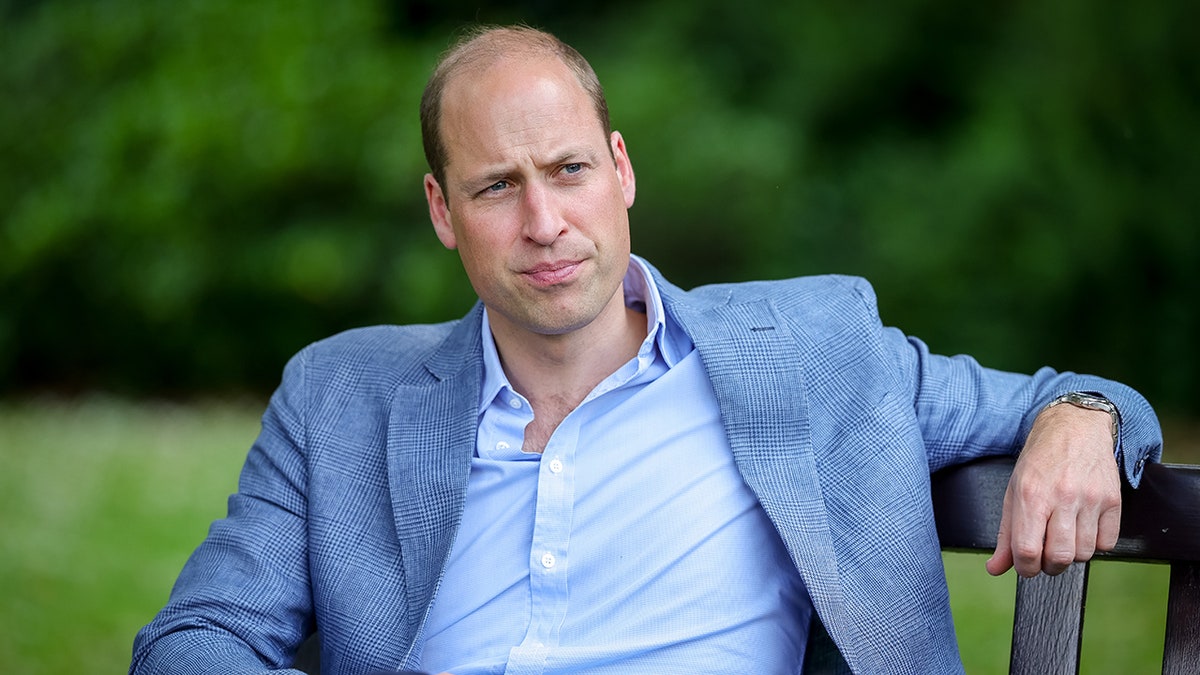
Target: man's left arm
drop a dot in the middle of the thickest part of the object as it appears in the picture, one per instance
(1063, 500)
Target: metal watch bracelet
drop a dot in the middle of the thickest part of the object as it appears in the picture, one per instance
(1081, 399)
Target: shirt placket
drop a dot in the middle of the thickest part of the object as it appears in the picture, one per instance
(549, 555)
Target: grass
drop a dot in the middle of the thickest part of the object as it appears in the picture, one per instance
(100, 504)
(102, 500)
(1123, 629)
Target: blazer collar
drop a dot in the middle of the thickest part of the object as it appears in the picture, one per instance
(431, 439)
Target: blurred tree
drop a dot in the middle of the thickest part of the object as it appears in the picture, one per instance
(197, 188)
(194, 190)
(1015, 179)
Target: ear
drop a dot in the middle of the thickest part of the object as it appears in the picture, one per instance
(624, 168)
(439, 212)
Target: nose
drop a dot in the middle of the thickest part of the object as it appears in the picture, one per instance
(542, 216)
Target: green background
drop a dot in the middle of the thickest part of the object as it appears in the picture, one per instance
(191, 191)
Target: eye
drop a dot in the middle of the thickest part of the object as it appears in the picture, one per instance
(498, 186)
(573, 168)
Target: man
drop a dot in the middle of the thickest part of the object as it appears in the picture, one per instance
(597, 472)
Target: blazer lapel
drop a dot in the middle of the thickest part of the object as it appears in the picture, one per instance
(754, 363)
(431, 439)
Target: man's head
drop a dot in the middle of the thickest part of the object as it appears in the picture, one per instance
(482, 46)
(534, 189)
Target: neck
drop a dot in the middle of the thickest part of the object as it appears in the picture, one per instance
(560, 370)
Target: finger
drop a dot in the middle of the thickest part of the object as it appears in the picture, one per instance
(1001, 560)
(1028, 536)
(1109, 528)
(1058, 550)
(1086, 528)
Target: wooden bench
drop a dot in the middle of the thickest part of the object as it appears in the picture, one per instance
(1160, 523)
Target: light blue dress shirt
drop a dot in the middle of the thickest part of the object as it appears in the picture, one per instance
(630, 545)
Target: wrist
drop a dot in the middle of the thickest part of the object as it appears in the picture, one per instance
(1094, 402)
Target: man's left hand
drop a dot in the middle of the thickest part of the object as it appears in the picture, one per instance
(1063, 501)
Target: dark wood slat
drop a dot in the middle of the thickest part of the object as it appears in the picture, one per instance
(1160, 521)
(1181, 653)
(1048, 623)
(967, 501)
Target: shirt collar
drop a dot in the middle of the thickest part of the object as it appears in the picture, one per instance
(642, 294)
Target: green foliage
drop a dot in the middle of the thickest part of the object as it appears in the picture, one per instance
(202, 187)
(193, 189)
(1016, 180)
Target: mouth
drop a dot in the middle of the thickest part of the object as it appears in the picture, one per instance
(552, 273)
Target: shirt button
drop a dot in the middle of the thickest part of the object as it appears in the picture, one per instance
(556, 466)
(502, 445)
(548, 560)
(514, 403)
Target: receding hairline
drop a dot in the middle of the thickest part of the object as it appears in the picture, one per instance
(480, 47)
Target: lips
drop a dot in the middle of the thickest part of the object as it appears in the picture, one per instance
(552, 273)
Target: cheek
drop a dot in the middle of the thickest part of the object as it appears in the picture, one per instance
(481, 249)
(616, 217)
(601, 205)
(472, 233)
(474, 256)
(479, 269)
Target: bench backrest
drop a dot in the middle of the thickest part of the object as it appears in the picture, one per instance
(1160, 523)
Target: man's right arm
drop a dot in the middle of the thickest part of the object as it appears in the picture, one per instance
(242, 602)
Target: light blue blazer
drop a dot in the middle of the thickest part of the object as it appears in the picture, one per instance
(350, 498)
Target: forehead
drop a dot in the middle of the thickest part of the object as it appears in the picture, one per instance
(514, 104)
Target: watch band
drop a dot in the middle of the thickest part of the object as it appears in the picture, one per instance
(1081, 399)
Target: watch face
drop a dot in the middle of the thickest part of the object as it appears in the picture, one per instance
(1090, 401)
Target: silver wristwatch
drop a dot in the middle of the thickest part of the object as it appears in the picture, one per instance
(1081, 399)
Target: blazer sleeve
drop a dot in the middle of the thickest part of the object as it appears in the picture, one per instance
(966, 410)
(242, 603)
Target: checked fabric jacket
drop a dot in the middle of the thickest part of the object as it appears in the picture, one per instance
(350, 498)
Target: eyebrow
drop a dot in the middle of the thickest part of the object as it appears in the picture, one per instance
(502, 172)
(570, 155)
(484, 180)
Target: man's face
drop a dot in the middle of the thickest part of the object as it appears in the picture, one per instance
(533, 200)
